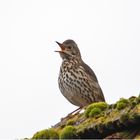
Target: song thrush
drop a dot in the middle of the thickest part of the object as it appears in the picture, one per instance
(77, 81)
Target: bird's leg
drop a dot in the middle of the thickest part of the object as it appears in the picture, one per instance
(75, 112)
(70, 115)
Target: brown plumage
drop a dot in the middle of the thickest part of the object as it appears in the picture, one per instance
(77, 81)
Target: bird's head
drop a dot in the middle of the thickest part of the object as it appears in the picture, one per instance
(69, 49)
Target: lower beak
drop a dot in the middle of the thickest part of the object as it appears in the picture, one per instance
(61, 46)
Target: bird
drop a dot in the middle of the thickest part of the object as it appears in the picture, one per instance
(77, 81)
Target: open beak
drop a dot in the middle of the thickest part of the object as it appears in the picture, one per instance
(61, 46)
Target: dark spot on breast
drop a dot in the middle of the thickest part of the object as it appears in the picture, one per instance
(66, 75)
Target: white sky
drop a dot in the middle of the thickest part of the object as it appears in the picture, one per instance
(108, 35)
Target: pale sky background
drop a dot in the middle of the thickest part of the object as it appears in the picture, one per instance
(107, 33)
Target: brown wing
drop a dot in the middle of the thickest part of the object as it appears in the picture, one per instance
(92, 75)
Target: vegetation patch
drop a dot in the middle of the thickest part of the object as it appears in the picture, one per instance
(46, 134)
(94, 112)
(122, 103)
(95, 108)
(69, 132)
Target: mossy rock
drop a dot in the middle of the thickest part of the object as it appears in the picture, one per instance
(98, 121)
(69, 132)
(46, 134)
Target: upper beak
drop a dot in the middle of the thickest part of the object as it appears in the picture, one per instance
(61, 46)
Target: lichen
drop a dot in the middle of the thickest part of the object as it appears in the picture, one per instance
(69, 132)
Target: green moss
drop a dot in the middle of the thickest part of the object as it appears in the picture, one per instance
(122, 103)
(41, 135)
(133, 104)
(69, 132)
(46, 134)
(95, 111)
(132, 101)
(100, 105)
(123, 100)
(74, 118)
(53, 134)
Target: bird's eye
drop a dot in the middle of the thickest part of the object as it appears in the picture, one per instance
(69, 47)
